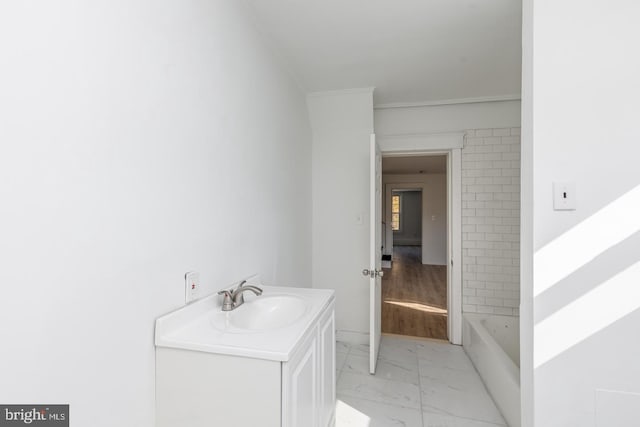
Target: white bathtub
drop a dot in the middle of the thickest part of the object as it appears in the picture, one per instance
(493, 345)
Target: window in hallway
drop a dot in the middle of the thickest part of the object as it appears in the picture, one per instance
(395, 213)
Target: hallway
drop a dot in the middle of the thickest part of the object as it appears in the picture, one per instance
(414, 296)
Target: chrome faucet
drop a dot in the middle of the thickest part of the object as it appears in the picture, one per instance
(234, 298)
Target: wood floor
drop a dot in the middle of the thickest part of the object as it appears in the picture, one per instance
(414, 296)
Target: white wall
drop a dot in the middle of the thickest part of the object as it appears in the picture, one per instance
(139, 140)
(434, 204)
(410, 232)
(581, 125)
(447, 118)
(342, 123)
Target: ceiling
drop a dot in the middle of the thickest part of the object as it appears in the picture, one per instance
(411, 51)
(414, 165)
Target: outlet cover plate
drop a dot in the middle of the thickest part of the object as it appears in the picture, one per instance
(191, 286)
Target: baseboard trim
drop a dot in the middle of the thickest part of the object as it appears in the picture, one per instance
(352, 337)
(434, 263)
(407, 242)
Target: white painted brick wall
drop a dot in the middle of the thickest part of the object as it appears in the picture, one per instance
(491, 221)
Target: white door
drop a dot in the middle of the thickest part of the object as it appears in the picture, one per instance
(375, 250)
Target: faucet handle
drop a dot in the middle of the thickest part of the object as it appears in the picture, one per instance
(238, 298)
(227, 302)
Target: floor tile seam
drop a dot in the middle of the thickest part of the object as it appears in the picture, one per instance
(439, 360)
(421, 410)
(400, 365)
(444, 365)
(398, 359)
(344, 363)
(462, 393)
(473, 378)
(452, 415)
(367, 375)
(440, 355)
(378, 401)
(416, 371)
(476, 394)
(348, 347)
(339, 373)
(469, 418)
(464, 418)
(441, 368)
(444, 348)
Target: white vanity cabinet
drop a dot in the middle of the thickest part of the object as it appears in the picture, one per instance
(284, 378)
(327, 367)
(308, 379)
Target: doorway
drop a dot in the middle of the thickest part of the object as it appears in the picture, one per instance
(415, 228)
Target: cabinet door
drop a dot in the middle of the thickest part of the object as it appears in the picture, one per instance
(327, 342)
(300, 386)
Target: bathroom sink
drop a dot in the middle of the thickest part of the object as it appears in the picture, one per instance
(267, 326)
(269, 312)
(262, 313)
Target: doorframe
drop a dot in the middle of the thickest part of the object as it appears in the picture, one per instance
(450, 145)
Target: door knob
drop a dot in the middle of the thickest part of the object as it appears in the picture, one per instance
(372, 273)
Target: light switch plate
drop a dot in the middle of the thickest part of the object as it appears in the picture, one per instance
(191, 286)
(564, 196)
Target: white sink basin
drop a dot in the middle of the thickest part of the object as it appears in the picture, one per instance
(266, 327)
(263, 313)
(269, 312)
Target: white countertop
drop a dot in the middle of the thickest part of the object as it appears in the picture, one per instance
(192, 327)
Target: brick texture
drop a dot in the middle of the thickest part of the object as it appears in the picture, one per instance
(491, 221)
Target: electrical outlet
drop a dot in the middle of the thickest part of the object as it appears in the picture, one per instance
(191, 286)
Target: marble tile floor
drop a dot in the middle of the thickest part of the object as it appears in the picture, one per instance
(418, 383)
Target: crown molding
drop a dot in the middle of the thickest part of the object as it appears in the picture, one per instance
(512, 97)
(341, 92)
